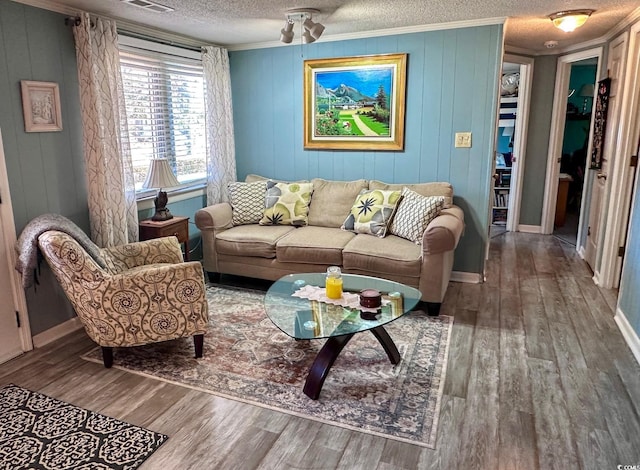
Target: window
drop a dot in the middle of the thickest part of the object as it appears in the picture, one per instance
(164, 98)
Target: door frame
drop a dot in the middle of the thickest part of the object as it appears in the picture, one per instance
(558, 119)
(621, 179)
(519, 135)
(9, 234)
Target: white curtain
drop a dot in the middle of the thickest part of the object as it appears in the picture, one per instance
(112, 199)
(221, 154)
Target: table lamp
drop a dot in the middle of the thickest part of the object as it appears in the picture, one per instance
(586, 91)
(160, 176)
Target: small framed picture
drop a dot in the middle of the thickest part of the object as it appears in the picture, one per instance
(41, 106)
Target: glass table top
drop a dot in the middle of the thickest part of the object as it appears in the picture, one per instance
(310, 319)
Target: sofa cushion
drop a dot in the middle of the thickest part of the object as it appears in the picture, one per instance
(313, 245)
(247, 201)
(251, 240)
(287, 203)
(425, 189)
(414, 214)
(371, 212)
(332, 201)
(389, 255)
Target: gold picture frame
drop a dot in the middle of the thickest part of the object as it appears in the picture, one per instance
(355, 103)
(41, 106)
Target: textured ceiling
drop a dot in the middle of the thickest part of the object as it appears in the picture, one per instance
(236, 22)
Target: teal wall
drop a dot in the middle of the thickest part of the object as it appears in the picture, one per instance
(576, 131)
(535, 166)
(46, 170)
(451, 87)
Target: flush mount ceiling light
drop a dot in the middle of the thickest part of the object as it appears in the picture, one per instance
(312, 31)
(569, 20)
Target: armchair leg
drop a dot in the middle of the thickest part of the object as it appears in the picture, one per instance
(107, 356)
(198, 342)
(433, 308)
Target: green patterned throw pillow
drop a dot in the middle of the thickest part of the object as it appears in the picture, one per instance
(287, 204)
(247, 201)
(414, 214)
(372, 212)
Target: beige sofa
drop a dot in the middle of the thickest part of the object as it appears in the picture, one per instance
(270, 252)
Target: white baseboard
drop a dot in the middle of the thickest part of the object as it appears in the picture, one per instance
(630, 336)
(530, 228)
(470, 278)
(57, 332)
(582, 252)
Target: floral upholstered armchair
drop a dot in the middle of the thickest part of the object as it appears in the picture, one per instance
(145, 294)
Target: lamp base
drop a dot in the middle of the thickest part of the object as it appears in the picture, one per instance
(162, 213)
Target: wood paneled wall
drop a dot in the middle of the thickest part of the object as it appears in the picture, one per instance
(452, 86)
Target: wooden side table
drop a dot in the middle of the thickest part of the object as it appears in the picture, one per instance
(178, 227)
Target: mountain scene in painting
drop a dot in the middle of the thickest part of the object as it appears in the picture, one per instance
(354, 102)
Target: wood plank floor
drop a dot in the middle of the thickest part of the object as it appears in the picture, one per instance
(539, 377)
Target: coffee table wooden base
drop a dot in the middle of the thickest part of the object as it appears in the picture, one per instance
(331, 350)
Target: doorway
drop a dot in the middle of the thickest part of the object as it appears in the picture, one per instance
(511, 138)
(575, 141)
(15, 334)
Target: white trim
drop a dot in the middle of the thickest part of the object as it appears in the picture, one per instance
(19, 299)
(147, 202)
(469, 278)
(558, 118)
(136, 45)
(529, 228)
(520, 137)
(629, 334)
(581, 251)
(57, 332)
(379, 32)
(621, 181)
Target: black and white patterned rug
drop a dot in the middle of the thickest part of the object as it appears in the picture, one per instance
(38, 432)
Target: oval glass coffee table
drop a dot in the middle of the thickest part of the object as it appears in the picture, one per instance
(302, 318)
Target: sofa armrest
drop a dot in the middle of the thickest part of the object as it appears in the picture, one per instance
(443, 232)
(216, 217)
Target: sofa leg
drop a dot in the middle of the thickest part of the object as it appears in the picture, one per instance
(198, 342)
(213, 277)
(433, 308)
(107, 356)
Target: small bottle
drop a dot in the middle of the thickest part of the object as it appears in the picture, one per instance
(333, 282)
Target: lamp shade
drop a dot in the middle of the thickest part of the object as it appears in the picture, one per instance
(587, 90)
(160, 175)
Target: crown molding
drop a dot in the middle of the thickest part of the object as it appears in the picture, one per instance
(378, 33)
(630, 19)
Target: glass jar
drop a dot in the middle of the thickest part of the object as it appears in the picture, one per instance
(333, 282)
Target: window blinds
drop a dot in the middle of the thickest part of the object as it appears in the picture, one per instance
(164, 98)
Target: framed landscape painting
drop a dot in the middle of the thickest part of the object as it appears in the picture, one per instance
(355, 103)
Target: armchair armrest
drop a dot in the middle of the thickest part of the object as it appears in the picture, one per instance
(131, 255)
(443, 232)
(169, 304)
(216, 217)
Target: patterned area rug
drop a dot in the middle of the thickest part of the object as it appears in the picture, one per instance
(247, 358)
(40, 432)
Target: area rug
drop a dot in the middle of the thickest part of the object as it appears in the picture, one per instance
(40, 432)
(247, 358)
